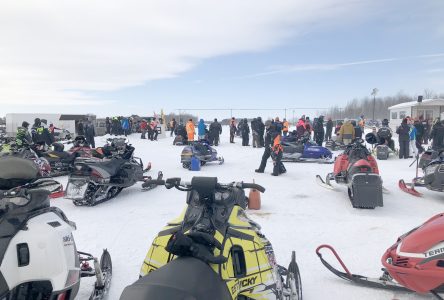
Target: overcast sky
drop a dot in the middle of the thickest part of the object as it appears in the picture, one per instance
(122, 57)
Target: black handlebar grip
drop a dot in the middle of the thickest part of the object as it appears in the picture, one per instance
(253, 186)
(153, 182)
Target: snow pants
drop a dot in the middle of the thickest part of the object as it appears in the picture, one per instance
(404, 149)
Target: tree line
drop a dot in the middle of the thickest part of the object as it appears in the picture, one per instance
(364, 106)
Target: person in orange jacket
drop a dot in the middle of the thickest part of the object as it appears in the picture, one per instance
(286, 125)
(190, 130)
(274, 149)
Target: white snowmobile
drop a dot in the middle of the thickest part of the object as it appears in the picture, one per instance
(38, 255)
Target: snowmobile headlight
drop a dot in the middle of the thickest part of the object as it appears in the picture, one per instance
(430, 169)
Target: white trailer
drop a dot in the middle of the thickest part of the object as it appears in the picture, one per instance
(67, 122)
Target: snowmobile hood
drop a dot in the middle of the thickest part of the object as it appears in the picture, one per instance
(182, 278)
(425, 237)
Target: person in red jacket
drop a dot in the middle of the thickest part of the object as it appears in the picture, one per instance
(143, 127)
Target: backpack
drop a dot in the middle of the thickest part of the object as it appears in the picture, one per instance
(385, 133)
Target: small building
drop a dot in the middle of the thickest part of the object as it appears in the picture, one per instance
(427, 109)
(62, 121)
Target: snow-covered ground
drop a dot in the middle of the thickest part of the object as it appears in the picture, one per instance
(297, 214)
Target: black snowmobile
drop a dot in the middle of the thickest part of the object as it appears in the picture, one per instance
(96, 180)
(61, 162)
(38, 255)
(432, 165)
(213, 251)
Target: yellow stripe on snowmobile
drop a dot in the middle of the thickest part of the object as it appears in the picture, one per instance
(238, 218)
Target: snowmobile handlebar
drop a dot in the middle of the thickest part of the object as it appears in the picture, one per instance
(187, 186)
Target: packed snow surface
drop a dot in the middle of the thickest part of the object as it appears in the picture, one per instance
(296, 214)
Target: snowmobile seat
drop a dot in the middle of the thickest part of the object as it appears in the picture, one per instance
(182, 278)
(16, 171)
(202, 149)
(111, 166)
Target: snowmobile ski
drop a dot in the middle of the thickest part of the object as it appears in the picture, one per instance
(322, 183)
(408, 188)
(151, 186)
(384, 282)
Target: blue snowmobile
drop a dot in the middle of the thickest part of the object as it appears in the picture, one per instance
(305, 150)
(202, 151)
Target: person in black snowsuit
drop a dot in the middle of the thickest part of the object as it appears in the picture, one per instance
(42, 135)
(419, 135)
(255, 132)
(329, 129)
(180, 130)
(214, 132)
(108, 125)
(245, 131)
(260, 131)
(318, 128)
(403, 132)
(80, 128)
(437, 136)
(358, 130)
(273, 149)
(90, 133)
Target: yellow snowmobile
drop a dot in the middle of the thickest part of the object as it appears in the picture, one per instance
(213, 251)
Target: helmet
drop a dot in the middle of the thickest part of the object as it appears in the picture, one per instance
(371, 138)
(25, 124)
(385, 122)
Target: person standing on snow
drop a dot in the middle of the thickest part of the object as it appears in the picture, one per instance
(153, 125)
(358, 130)
(190, 130)
(245, 131)
(214, 133)
(404, 139)
(201, 130)
(90, 133)
(255, 133)
(173, 125)
(261, 131)
(272, 148)
(437, 136)
(108, 125)
(232, 129)
(300, 128)
(318, 128)
(329, 129)
(143, 127)
(285, 127)
(23, 136)
(125, 126)
(412, 136)
(347, 132)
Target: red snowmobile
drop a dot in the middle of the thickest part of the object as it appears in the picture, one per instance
(358, 169)
(414, 263)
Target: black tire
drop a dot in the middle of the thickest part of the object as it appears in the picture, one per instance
(186, 165)
(294, 269)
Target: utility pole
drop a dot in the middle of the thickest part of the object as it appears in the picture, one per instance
(374, 92)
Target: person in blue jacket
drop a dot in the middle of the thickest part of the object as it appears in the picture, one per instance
(125, 126)
(201, 129)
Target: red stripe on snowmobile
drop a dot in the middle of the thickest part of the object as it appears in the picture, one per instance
(335, 254)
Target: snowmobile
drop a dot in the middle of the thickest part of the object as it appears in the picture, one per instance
(213, 251)
(38, 255)
(413, 263)
(61, 162)
(201, 150)
(335, 145)
(81, 147)
(357, 168)
(432, 165)
(305, 150)
(96, 180)
(26, 151)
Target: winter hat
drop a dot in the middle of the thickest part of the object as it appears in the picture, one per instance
(346, 120)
